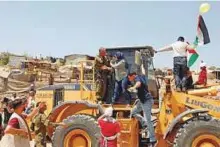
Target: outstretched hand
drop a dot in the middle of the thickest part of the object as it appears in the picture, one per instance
(132, 89)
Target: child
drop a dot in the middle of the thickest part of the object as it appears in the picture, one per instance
(202, 75)
(110, 129)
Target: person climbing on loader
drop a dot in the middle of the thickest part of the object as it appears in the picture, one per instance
(144, 104)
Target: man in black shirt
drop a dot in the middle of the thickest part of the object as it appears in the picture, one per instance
(145, 104)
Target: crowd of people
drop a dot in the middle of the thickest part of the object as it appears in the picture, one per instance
(15, 112)
(14, 129)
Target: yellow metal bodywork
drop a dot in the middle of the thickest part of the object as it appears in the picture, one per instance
(175, 103)
(71, 95)
(129, 135)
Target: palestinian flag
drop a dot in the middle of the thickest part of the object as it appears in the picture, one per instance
(202, 38)
(193, 57)
(202, 32)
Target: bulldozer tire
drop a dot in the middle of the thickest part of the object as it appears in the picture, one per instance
(199, 133)
(82, 131)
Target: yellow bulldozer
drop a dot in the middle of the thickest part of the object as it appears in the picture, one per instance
(180, 119)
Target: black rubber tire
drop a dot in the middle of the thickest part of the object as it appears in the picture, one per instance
(195, 127)
(79, 121)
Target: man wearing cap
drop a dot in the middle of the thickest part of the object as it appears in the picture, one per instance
(179, 49)
(102, 70)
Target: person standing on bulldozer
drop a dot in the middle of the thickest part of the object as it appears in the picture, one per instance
(119, 65)
(102, 71)
(144, 104)
(179, 49)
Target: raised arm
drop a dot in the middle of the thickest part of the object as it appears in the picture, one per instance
(117, 65)
(166, 48)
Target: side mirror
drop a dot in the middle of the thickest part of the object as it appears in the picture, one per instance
(137, 58)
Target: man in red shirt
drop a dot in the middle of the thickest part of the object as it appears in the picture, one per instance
(110, 129)
(202, 75)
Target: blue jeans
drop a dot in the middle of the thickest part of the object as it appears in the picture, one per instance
(126, 93)
(117, 91)
(146, 120)
(187, 82)
(179, 69)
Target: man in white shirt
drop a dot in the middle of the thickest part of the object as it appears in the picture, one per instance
(179, 49)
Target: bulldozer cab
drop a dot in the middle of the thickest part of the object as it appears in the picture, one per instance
(140, 60)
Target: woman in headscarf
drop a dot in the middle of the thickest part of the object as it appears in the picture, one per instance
(119, 65)
(17, 133)
(110, 129)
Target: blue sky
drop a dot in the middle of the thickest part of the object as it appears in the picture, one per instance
(62, 28)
